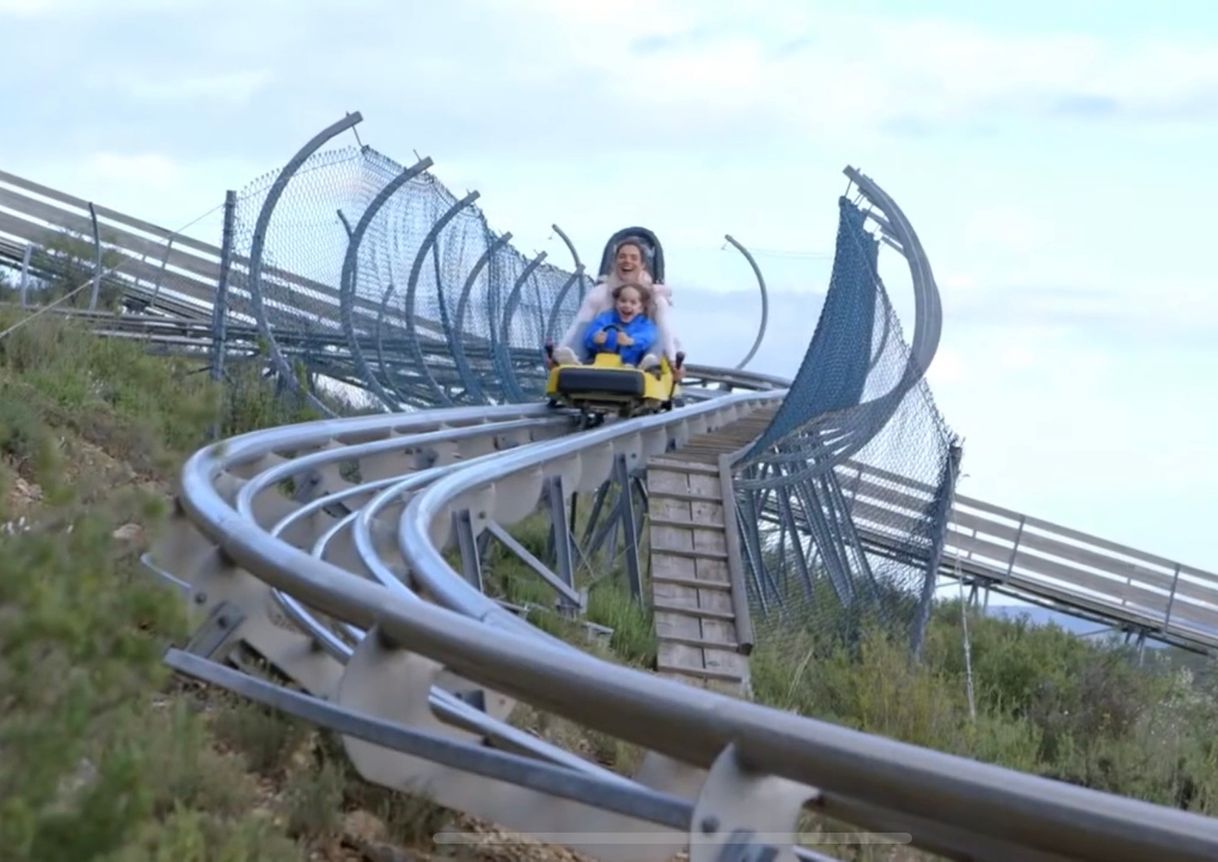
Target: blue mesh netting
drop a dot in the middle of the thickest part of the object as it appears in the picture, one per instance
(842, 500)
(835, 369)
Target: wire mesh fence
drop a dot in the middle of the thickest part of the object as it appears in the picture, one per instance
(383, 269)
(842, 501)
(376, 274)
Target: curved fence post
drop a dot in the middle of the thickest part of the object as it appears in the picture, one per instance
(256, 249)
(503, 355)
(97, 259)
(580, 269)
(219, 318)
(836, 406)
(350, 274)
(457, 342)
(862, 420)
(765, 300)
(412, 335)
(552, 319)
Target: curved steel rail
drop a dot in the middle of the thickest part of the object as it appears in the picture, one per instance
(258, 243)
(765, 301)
(380, 626)
(948, 803)
(350, 275)
(1002, 804)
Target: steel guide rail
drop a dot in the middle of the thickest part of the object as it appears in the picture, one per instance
(858, 777)
(240, 457)
(747, 752)
(449, 707)
(949, 803)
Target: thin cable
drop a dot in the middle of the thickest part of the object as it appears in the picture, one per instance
(105, 273)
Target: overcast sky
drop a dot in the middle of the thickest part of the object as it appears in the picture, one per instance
(1055, 158)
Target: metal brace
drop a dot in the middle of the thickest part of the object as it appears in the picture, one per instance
(742, 816)
(475, 697)
(467, 543)
(307, 488)
(217, 631)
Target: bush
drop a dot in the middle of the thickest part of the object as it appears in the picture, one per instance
(93, 756)
(104, 755)
(1047, 702)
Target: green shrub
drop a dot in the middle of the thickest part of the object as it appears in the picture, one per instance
(610, 604)
(1047, 702)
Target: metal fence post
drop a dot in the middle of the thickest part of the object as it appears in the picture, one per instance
(257, 248)
(1023, 520)
(97, 259)
(765, 300)
(1171, 599)
(943, 516)
(219, 315)
(160, 275)
(219, 308)
(25, 272)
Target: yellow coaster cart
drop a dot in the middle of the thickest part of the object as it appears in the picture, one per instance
(607, 385)
(610, 387)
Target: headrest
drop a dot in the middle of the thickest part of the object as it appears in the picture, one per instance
(653, 253)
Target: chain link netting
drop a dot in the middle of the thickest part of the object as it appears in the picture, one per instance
(399, 285)
(842, 501)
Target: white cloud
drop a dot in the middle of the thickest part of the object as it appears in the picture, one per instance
(850, 72)
(944, 71)
(81, 9)
(27, 8)
(155, 169)
(233, 88)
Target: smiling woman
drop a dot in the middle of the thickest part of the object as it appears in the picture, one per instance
(632, 255)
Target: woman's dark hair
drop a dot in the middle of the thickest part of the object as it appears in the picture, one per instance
(637, 244)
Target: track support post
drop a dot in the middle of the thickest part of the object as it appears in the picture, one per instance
(471, 562)
(742, 816)
(629, 528)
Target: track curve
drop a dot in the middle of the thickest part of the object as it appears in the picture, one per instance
(378, 567)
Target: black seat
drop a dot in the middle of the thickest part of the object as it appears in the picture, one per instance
(603, 381)
(653, 252)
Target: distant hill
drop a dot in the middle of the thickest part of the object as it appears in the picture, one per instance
(1098, 633)
(1043, 616)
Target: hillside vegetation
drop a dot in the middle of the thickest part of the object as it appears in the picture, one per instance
(1047, 702)
(107, 756)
